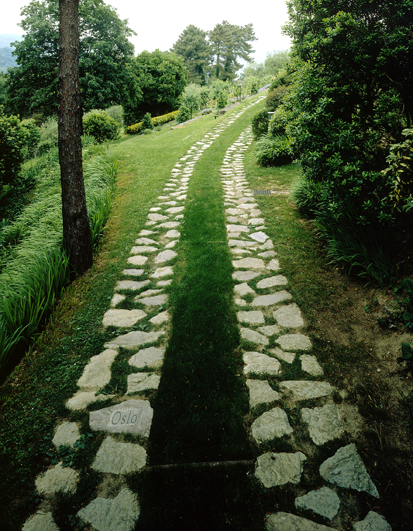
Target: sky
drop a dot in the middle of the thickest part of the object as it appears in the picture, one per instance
(158, 24)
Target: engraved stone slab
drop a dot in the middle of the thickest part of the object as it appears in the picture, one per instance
(131, 416)
(119, 457)
(66, 434)
(117, 514)
(57, 479)
(132, 285)
(248, 263)
(303, 390)
(279, 469)
(165, 256)
(261, 392)
(269, 282)
(324, 423)
(254, 337)
(142, 381)
(82, 399)
(346, 469)
(273, 298)
(148, 357)
(251, 317)
(294, 342)
(97, 372)
(310, 364)
(259, 236)
(271, 424)
(323, 501)
(243, 289)
(244, 275)
(288, 357)
(133, 272)
(260, 364)
(372, 522)
(40, 522)
(289, 316)
(290, 522)
(270, 330)
(122, 318)
(162, 272)
(137, 259)
(131, 340)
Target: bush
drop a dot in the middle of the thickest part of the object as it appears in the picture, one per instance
(48, 135)
(184, 115)
(275, 97)
(260, 124)
(278, 123)
(13, 140)
(273, 151)
(33, 138)
(101, 126)
(205, 96)
(147, 124)
(116, 113)
(135, 129)
(400, 170)
(222, 100)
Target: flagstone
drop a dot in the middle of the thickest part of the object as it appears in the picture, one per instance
(268, 245)
(289, 316)
(133, 272)
(82, 399)
(243, 289)
(294, 342)
(372, 522)
(162, 272)
(134, 339)
(256, 221)
(244, 275)
(310, 364)
(115, 457)
(288, 357)
(261, 393)
(131, 416)
(274, 265)
(248, 263)
(157, 300)
(40, 522)
(237, 228)
(234, 234)
(170, 224)
(137, 259)
(163, 283)
(146, 241)
(279, 468)
(271, 424)
(116, 299)
(165, 256)
(240, 243)
(267, 254)
(251, 317)
(256, 363)
(142, 381)
(147, 293)
(143, 249)
(269, 330)
(240, 302)
(151, 357)
(306, 390)
(122, 318)
(97, 372)
(273, 298)
(161, 318)
(247, 206)
(173, 233)
(269, 282)
(324, 423)
(132, 285)
(171, 244)
(67, 433)
(323, 501)
(254, 337)
(57, 479)
(259, 236)
(290, 522)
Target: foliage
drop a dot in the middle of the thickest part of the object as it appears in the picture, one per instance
(48, 135)
(275, 97)
(13, 139)
(222, 99)
(104, 53)
(116, 112)
(251, 85)
(184, 115)
(147, 122)
(406, 304)
(33, 137)
(400, 170)
(195, 49)
(191, 98)
(204, 96)
(259, 123)
(279, 121)
(135, 129)
(101, 126)
(218, 86)
(273, 151)
(3, 80)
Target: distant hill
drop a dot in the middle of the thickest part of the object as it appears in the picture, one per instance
(6, 58)
(7, 38)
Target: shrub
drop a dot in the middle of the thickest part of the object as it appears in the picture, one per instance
(205, 96)
(222, 99)
(135, 129)
(101, 126)
(260, 124)
(184, 115)
(48, 135)
(275, 97)
(278, 123)
(400, 170)
(147, 124)
(273, 151)
(13, 139)
(33, 138)
(116, 112)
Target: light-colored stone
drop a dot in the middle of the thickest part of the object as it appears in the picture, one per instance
(66, 434)
(323, 501)
(135, 339)
(132, 285)
(171, 244)
(147, 293)
(271, 424)
(233, 242)
(240, 302)
(163, 283)
(279, 469)
(57, 479)
(304, 390)
(116, 299)
(254, 337)
(136, 249)
(273, 298)
(256, 363)
(130, 416)
(151, 357)
(290, 522)
(268, 245)
(161, 318)
(346, 469)
(244, 275)
(117, 514)
(260, 236)
(157, 300)
(97, 372)
(145, 232)
(137, 260)
(133, 272)
(269, 282)
(310, 364)
(170, 224)
(157, 217)
(267, 254)
(115, 457)
(146, 241)
(256, 221)
(294, 342)
(172, 234)
(237, 228)
(274, 265)
(40, 522)
(122, 318)
(165, 256)
(324, 423)
(175, 210)
(288, 357)
(251, 317)
(261, 392)
(373, 522)
(142, 381)
(162, 272)
(82, 399)
(353, 421)
(270, 330)
(289, 316)
(247, 206)
(248, 263)
(243, 289)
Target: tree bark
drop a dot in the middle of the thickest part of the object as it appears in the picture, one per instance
(77, 236)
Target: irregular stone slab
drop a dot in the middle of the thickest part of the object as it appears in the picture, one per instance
(346, 469)
(289, 316)
(145, 232)
(40, 522)
(240, 243)
(146, 241)
(66, 434)
(240, 302)
(162, 272)
(137, 259)
(261, 392)
(132, 273)
(143, 249)
(158, 300)
(353, 421)
(237, 228)
(97, 372)
(165, 256)
(279, 469)
(244, 275)
(151, 357)
(253, 336)
(170, 224)
(260, 364)
(290, 522)
(256, 221)
(175, 210)
(234, 211)
(260, 236)
(119, 514)
(116, 299)
(372, 522)
(131, 416)
(294, 342)
(147, 293)
(324, 423)
(251, 317)
(122, 318)
(267, 254)
(157, 217)
(163, 283)
(119, 457)
(323, 501)
(243, 289)
(134, 339)
(268, 245)
(57, 479)
(248, 206)
(173, 233)
(274, 265)
(303, 390)
(273, 298)
(271, 424)
(269, 282)
(161, 318)
(141, 381)
(310, 364)
(132, 285)
(288, 357)
(82, 399)
(248, 263)
(270, 330)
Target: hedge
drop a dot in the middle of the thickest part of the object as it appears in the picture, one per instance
(135, 129)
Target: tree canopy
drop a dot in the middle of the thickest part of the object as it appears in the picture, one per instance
(194, 48)
(104, 52)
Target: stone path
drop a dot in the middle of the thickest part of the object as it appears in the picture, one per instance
(273, 333)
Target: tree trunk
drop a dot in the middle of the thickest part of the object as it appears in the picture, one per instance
(76, 229)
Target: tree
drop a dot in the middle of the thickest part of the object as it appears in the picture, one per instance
(104, 52)
(13, 137)
(77, 235)
(230, 43)
(159, 79)
(191, 97)
(196, 51)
